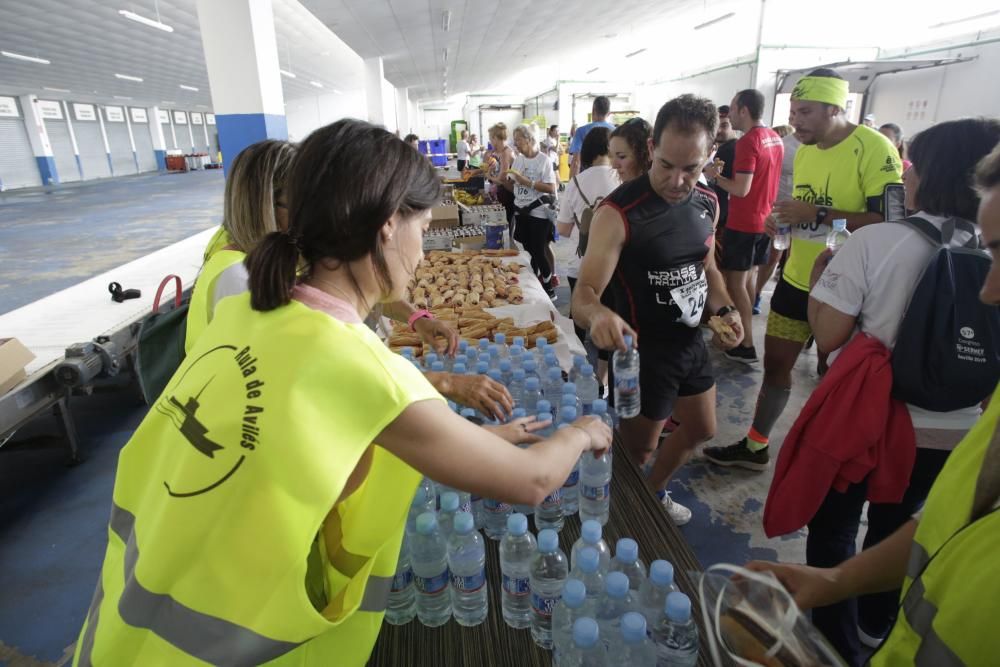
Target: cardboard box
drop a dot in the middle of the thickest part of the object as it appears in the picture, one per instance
(444, 216)
(13, 358)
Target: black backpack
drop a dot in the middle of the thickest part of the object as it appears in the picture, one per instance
(947, 353)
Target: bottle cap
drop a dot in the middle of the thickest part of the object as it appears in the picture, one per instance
(519, 374)
(550, 359)
(840, 224)
(544, 406)
(464, 523)
(494, 349)
(633, 627)
(505, 365)
(531, 383)
(519, 342)
(500, 339)
(517, 524)
(430, 358)
(585, 632)
(628, 341)
(458, 368)
(407, 352)
(548, 542)
(627, 550)
(578, 361)
(463, 345)
(484, 343)
(587, 370)
(661, 573)
(438, 367)
(555, 374)
(517, 413)
(482, 368)
(588, 559)
(568, 414)
(449, 501)
(574, 593)
(495, 375)
(542, 343)
(616, 585)
(530, 365)
(427, 523)
(677, 607)
(591, 531)
(468, 412)
(569, 388)
(544, 416)
(600, 406)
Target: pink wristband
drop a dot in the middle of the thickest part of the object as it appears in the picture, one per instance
(419, 314)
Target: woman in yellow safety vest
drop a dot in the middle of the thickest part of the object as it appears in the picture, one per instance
(946, 557)
(258, 510)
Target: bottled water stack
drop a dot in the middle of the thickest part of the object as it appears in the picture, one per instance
(587, 569)
(428, 558)
(612, 605)
(588, 649)
(402, 604)
(627, 561)
(591, 536)
(587, 389)
(676, 635)
(467, 564)
(574, 604)
(549, 570)
(634, 647)
(517, 551)
(595, 487)
(654, 590)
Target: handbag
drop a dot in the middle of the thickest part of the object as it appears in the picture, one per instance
(160, 350)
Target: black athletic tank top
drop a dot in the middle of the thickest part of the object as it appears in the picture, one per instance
(659, 284)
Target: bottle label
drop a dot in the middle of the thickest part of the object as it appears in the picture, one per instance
(402, 580)
(469, 584)
(588, 408)
(572, 480)
(465, 507)
(596, 492)
(432, 585)
(552, 501)
(542, 605)
(626, 384)
(515, 586)
(495, 506)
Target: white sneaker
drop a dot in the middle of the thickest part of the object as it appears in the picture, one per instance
(680, 514)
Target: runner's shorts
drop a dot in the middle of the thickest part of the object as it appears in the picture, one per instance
(789, 316)
(742, 250)
(670, 370)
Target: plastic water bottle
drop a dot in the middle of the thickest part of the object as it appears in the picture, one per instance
(482, 367)
(478, 514)
(518, 341)
(676, 635)
(459, 368)
(838, 235)
(530, 367)
(634, 646)
(595, 487)
(574, 604)
(587, 389)
(654, 591)
(424, 500)
(591, 536)
(463, 345)
(484, 345)
(402, 604)
(472, 357)
(494, 351)
(553, 384)
(587, 568)
(464, 498)
(782, 237)
(626, 368)
(552, 362)
(437, 367)
(549, 569)
(518, 413)
(578, 362)
(532, 394)
(570, 390)
(571, 487)
(541, 347)
(516, 354)
(407, 353)
(501, 342)
(588, 648)
(428, 558)
(517, 551)
(506, 372)
(627, 562)
(549, 513)
(467, 565)
(495, 515)
(612, 605)
(446, 515)
(516, 387)
(601, 410)
(544, 407)
(429, 360)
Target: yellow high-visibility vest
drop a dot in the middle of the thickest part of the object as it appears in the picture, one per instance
(202, 297)
(220, 239)
(221, 518)
(949, 605)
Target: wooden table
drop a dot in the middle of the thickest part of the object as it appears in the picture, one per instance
(635, 513)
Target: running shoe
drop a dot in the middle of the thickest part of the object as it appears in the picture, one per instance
(756, 306)
(738, 455)
(555, 280)
(550, 290)
(745, 355)
(679, 514)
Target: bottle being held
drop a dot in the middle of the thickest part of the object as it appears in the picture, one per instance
(783, 234)
(587, 568)
(402, 604)
(428, 558)
(595, 487)
(467, 565)
(588, 649)
(676, 635)
(517, 552)
(654, 590)
(612, 605)
(634, 647)
(571, 487)
(626, 372)
(549, 513)
(627, 561)
(591, 536)
(587, 389)
(838, 235)
(549, 570)
(575, 604)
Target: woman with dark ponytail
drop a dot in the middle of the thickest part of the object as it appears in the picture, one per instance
(259, 509)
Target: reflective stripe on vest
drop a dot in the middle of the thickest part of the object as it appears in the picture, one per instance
(208, 638)
(919, 558)
(920, 613)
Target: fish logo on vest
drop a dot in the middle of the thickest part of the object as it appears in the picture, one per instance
(197, 404)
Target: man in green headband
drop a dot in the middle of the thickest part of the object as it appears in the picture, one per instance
(841, 171)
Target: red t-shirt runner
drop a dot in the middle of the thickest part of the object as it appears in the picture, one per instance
(758, 152)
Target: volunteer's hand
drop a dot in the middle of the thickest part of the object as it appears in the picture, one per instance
(599, 432)
(520, 431)
(431, 330)
(478, 392)
(819, 266)
(731, 318)
(608, 331)
(795, 211)
(771, 225)
(810, 586)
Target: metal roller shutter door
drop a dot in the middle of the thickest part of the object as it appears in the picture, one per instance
(62, 150)
(121, 150)
(213, 139)
(168, 137)
(144, 147)
(91, 145)
(18, 167)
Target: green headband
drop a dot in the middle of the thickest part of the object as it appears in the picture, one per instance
(823, 89)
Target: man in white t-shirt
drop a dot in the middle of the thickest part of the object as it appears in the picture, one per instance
(462, 150)
(867, 287)
(533, 179)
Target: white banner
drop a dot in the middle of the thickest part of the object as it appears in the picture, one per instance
(162, 115)
(84, 111)
(8, 107)
(210, 118)
(50, 110)
(114, 115)
(196, 118)
(138, 115)
(180, 118)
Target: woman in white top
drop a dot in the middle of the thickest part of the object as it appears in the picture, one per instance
(867, 287)
(533, 178)
(496, 163)
(462, 149)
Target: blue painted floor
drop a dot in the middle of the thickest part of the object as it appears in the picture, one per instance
(53, 518)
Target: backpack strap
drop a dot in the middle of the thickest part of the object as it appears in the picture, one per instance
(958, 224)
(582, 196)
(942, 237)
(923, 227)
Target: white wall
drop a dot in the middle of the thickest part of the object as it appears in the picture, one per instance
(389, 116)
(306, 114)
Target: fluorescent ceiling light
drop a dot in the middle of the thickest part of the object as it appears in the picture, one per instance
(167, 102)
(122, 97)
(285, 72)
(30, 59)
(446, 20)
(132, 16)
(634, 53)
(963, 20)
(591, 71)
(316, 84)
(56, 90)
(188, 88)
(126, 77)
(337, 92)
(717, 19)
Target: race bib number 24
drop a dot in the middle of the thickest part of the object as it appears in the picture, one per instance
(690, 299)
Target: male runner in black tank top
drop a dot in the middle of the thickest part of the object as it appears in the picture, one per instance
(651, 243)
